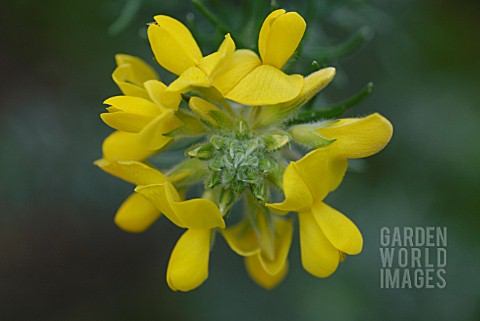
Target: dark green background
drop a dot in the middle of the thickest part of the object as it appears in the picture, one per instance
(62, 258)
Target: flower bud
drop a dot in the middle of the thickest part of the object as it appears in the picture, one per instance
(202, 152)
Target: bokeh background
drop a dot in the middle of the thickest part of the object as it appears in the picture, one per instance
(62, 258)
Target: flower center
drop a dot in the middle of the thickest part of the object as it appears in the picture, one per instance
(239, 163)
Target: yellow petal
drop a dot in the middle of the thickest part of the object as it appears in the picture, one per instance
(127, 122)
(260, 276)
(265, 30)
(210, 63)
(319, 257)
(194, 213)
(312, 85)
(133, 172)
(339, 229)
(188, 265)
(279, 37)
(202, 108)
(241, 238)
(266, 85)
(131, 73)
(310, 179)
(136, 214)
(173, 45)
(199, 213)
(133, 105)
(140, 70)
(227, 46)
(158, 93)
(359, 137)
(120, 76)
(297, 195)
(161, 196)
(265, 230)
(283, 230)
(151, 136)
(235, 68)
(192, 77)
(321, 171)
(124, 146)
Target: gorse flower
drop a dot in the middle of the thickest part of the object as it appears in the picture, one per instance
(235, 111)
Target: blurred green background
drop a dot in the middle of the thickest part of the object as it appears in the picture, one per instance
(62, 258)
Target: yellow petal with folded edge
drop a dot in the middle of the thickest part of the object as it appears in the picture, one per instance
(158, 93)
(140, 71)
(282, 38)
(173, 45)
(241, 238)
(313, 83)
(188, 265)
(235, 68)
(124, 146)
(266, 85)
(136, 214)
(265, 30)
(120, 76)
(322, 171)
(256, 271)
(133, 105)
(160, 196)
(198, 213)
(319, 257)
(131, 171)
(192, 77)
(202, 108)
(151, 136)
(210, 63)
(339, 229)
(194, 213)
(127, 122)
(359, 137)
(182, 33)
(265, 230)
(227, 46)
(297, 195)
(283, 232)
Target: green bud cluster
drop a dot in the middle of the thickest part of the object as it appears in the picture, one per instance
(239, 159)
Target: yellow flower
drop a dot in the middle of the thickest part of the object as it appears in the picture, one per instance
(237, 152)
(188, 265)
(240, 75)
(155, 194)
(266, 84)
(325, 233)
(136, 214)
(144, 114)
(243, 77)
(264, 244)
(123, 148)
(148, 119)
(130, 75)
(176, 50)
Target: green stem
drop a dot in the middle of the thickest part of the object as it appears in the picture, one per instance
(352, 44)
(332, 111)
(211, 17)
(130, 9)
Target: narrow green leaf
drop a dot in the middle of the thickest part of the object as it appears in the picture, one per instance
(332, 111)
